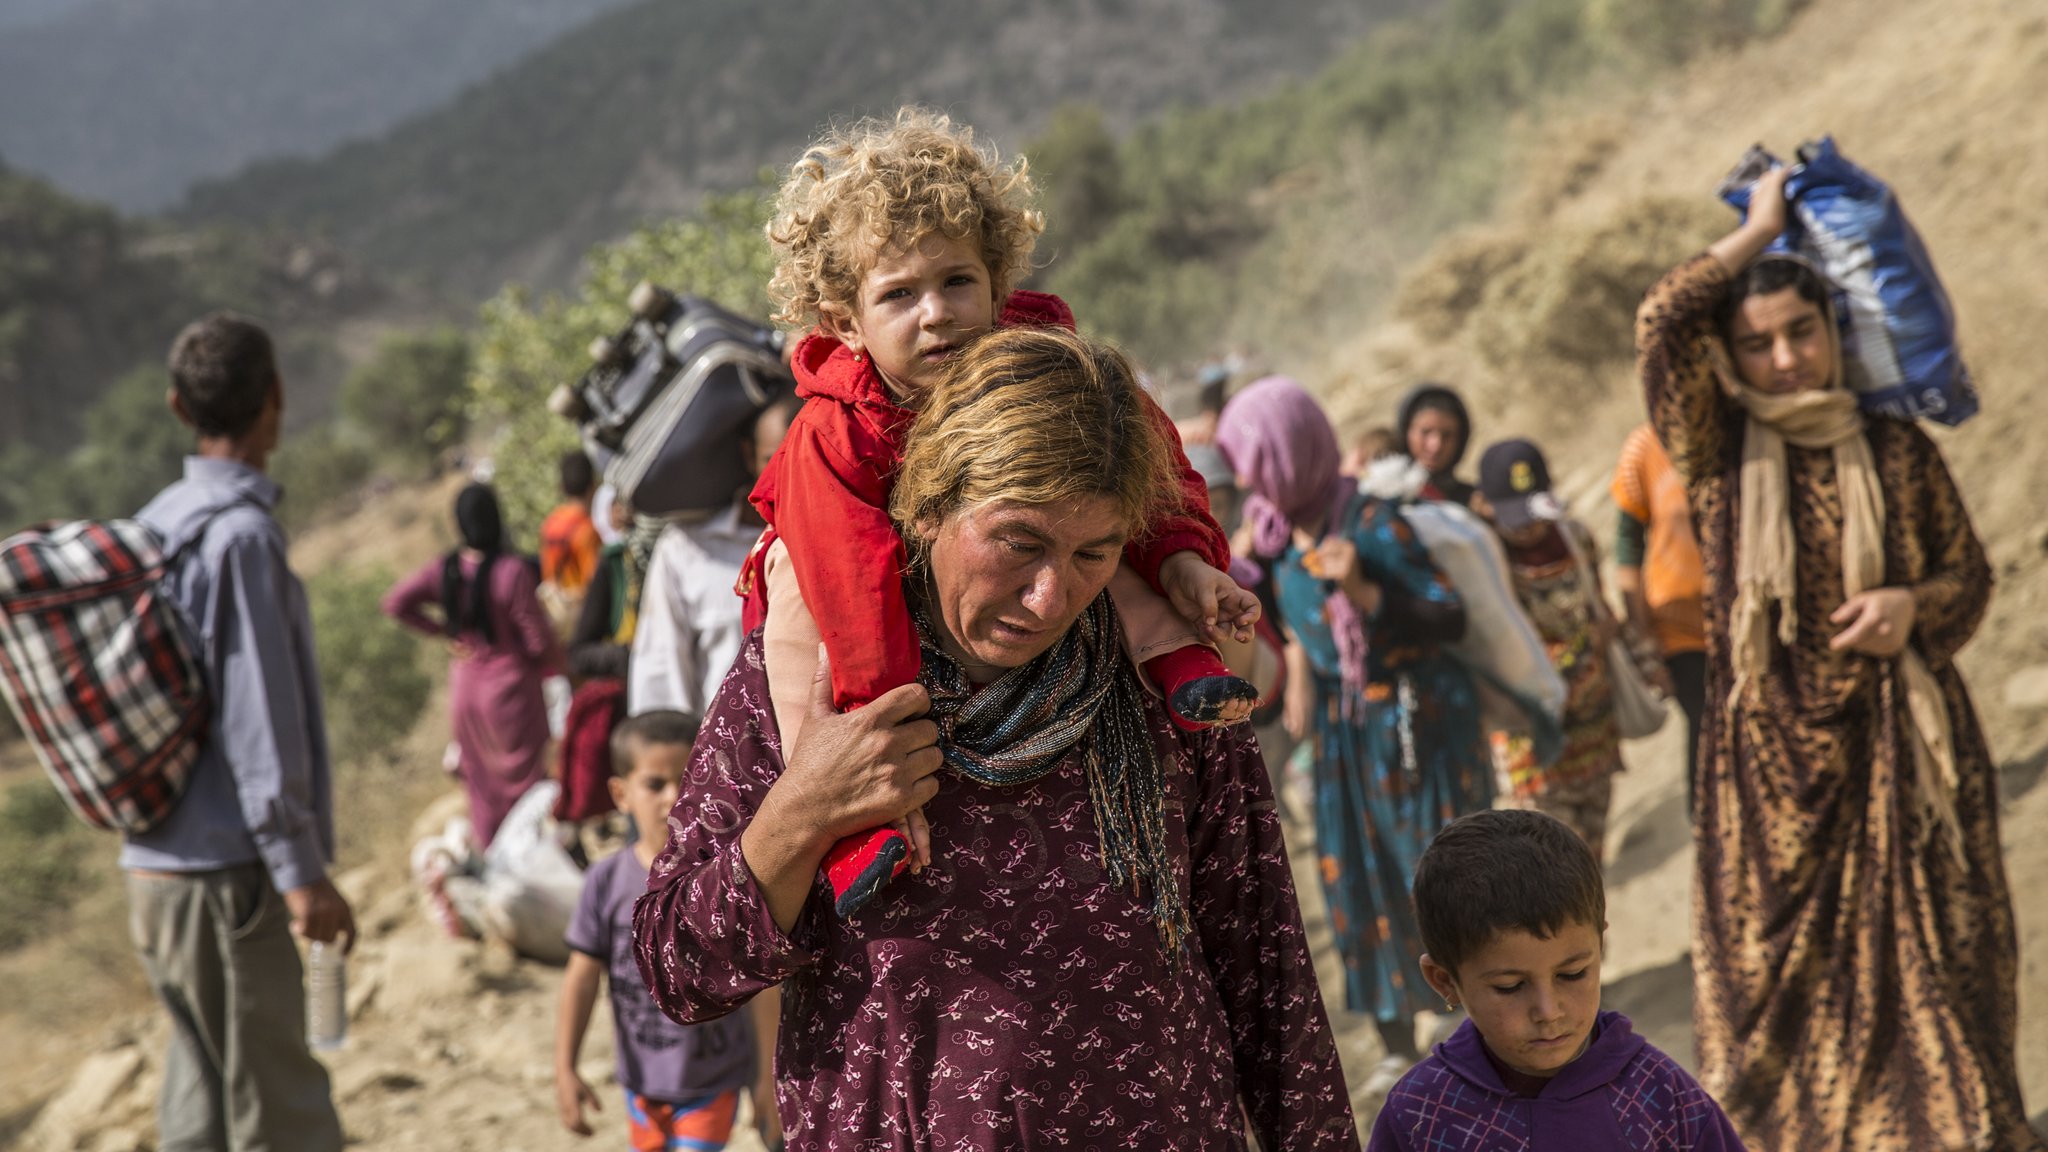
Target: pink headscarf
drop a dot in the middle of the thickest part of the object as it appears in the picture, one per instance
(1282, 447)
(1285, 453)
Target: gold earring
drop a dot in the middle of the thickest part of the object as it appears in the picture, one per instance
(1448, 1006)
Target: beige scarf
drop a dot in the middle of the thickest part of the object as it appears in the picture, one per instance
(1766, 557)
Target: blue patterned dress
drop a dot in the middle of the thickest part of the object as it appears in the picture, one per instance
(1393, 768)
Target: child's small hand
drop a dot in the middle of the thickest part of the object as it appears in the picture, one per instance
(572, 1094)
(1336, 560)
(1208, 599)
(1333, 559)
(919, 833)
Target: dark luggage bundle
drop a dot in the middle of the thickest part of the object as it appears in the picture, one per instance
(669, 397)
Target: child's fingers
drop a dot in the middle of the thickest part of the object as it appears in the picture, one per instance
(920, 833)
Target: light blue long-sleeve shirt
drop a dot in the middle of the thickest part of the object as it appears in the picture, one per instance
(262, 788)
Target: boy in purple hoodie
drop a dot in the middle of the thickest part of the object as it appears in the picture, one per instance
(1511, 909)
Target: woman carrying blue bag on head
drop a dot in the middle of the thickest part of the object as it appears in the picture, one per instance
(1854, 951)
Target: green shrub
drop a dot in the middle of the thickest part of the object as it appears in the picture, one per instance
(371, 679)
(131, 447)
(316, 469)
(411, 398)
(525, 347)
(43, 852)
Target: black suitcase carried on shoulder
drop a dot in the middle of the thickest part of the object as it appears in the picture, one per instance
(669, 397)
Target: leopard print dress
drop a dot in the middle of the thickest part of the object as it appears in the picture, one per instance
(1855, 982)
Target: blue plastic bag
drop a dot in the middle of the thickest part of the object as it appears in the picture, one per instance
(1899, 345)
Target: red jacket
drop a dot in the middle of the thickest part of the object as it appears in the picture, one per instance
(825, 494)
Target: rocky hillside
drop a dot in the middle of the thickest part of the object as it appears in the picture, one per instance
(1529, 313)
(1531, 310)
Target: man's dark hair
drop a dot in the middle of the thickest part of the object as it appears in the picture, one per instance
(579, 476)
(649, 729)
(1496, 871)
(1771, 274)
(223, 367)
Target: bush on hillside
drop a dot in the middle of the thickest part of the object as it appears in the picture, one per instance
(1559, 298)
(372, 683)
(43, 855)
(411, 399)
(318, 468)
(131, 447)
(1074, 162)
(525, 347)
(1442, 291)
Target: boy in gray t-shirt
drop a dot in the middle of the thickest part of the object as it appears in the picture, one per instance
(682, 1083)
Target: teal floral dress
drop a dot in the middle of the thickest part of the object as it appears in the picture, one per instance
(1393, 767)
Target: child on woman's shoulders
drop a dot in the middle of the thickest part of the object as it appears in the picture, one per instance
(897, 244)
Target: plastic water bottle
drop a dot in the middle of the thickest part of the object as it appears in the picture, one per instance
(326, 996)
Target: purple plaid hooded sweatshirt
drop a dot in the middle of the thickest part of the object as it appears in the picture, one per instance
(1621, 1094)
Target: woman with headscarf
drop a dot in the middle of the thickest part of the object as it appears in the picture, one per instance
(1853, 941)
(1399, 747)
(486, 603)
(1099, 945)
(1435, 430)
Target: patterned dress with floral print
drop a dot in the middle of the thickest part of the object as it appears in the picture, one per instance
(1855, 977)
(1010, 996)
(1391, 768)
(1578, 787)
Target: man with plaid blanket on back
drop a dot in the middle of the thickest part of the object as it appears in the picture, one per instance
(218, 887)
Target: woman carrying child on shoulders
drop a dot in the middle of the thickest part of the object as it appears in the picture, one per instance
(898, 243)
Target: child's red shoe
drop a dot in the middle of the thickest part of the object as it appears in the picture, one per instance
(1198, 686)
(858, 866)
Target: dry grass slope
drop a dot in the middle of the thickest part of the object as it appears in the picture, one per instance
(1529, 313)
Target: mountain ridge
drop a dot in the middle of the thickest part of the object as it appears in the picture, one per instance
(308, 75)
(645, 109)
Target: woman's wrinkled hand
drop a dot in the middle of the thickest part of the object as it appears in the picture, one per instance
(870, 767)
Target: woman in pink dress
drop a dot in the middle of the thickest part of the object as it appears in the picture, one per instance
(486, 603)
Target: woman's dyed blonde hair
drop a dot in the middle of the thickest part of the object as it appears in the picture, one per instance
(864, 187)
(1035, 416)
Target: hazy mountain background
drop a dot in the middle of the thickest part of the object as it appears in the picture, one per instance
(637, 114)
(599, 117)
(130, 101)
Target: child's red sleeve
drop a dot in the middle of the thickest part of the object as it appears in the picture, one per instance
(831, 512)
(1190, 529)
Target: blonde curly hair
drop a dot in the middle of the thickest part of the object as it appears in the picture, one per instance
(862, 187)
